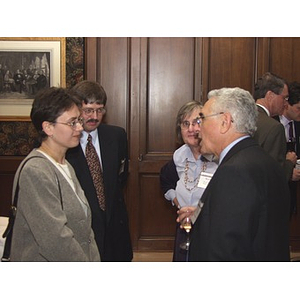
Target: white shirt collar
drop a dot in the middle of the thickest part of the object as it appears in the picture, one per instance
(226, 150)
(265, 109)
(284, 120)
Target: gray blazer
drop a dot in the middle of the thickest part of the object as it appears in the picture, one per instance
(43, 229)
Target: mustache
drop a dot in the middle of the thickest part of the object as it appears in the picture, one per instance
(92, 121)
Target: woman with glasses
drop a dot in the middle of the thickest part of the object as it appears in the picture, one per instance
(53, 219)
(184, 178)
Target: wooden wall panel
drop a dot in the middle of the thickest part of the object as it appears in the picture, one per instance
(168, 67)
(170, 84)
(8, 167)
(111, 69)
(285, 58)
(155, 212)
(229, 62)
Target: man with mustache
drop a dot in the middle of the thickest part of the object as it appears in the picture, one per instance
(109, 214)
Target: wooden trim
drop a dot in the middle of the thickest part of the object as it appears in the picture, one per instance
(91, 58)
(263, 56)
(205, 68)
(150, 243)
(14, 119)
(198, 70)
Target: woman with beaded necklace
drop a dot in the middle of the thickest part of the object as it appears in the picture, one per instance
(184, 179)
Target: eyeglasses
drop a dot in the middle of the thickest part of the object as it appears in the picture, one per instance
(90, 111)
(72, 124)
(286, 98)
(186, 124)
(202, 117)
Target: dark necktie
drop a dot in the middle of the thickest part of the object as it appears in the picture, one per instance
(291, 132)
(95, 169)
(290, 145)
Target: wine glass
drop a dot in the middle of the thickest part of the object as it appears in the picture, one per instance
(187, 226)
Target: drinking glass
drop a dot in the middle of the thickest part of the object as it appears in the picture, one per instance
(187, 226)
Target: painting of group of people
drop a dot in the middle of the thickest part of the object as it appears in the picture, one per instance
(23, 74)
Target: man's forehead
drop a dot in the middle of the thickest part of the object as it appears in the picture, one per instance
(208, 104)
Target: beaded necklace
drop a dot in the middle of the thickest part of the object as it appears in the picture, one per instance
(196, 180)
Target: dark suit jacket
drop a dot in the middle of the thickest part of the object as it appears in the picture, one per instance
(270, 136)
(294, 184)
(297, 132)
(245, 216)
(111, 228)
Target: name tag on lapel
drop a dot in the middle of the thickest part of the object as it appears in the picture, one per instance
(204, 179)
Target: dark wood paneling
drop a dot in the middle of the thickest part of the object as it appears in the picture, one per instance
(108, 63)
(157, 215)
(112, 73)
(168, 70)
(285, 58)
(8, 167)
(170, 84)
(230, 62)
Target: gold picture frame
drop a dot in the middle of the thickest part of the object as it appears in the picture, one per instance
(15, 104)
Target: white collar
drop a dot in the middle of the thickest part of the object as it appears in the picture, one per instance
(84, 137)
(264, 108)
(284, 120)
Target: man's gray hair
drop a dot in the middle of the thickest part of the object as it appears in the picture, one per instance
(240, 104)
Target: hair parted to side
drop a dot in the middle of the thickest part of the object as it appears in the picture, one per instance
(240, 104)
(294, 93)
(90, 92)
(185, 111)
(48, 105)
(268, 82)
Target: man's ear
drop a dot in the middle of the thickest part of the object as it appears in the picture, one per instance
(226, 122)
(269, 95)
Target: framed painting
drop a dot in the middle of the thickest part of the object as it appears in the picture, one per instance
(28, 65)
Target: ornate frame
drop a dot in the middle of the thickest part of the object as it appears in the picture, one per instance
(18, 110)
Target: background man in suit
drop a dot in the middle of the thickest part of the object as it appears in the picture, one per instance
(245, 216)
(271, 94)
(110, 223)
(290, 120)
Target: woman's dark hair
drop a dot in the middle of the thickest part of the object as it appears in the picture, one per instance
(48, 105)
(294, 93)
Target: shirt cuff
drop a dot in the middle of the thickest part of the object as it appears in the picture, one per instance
(170, 195)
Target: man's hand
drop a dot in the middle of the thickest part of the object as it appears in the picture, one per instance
(184, 212)
(292, 157)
